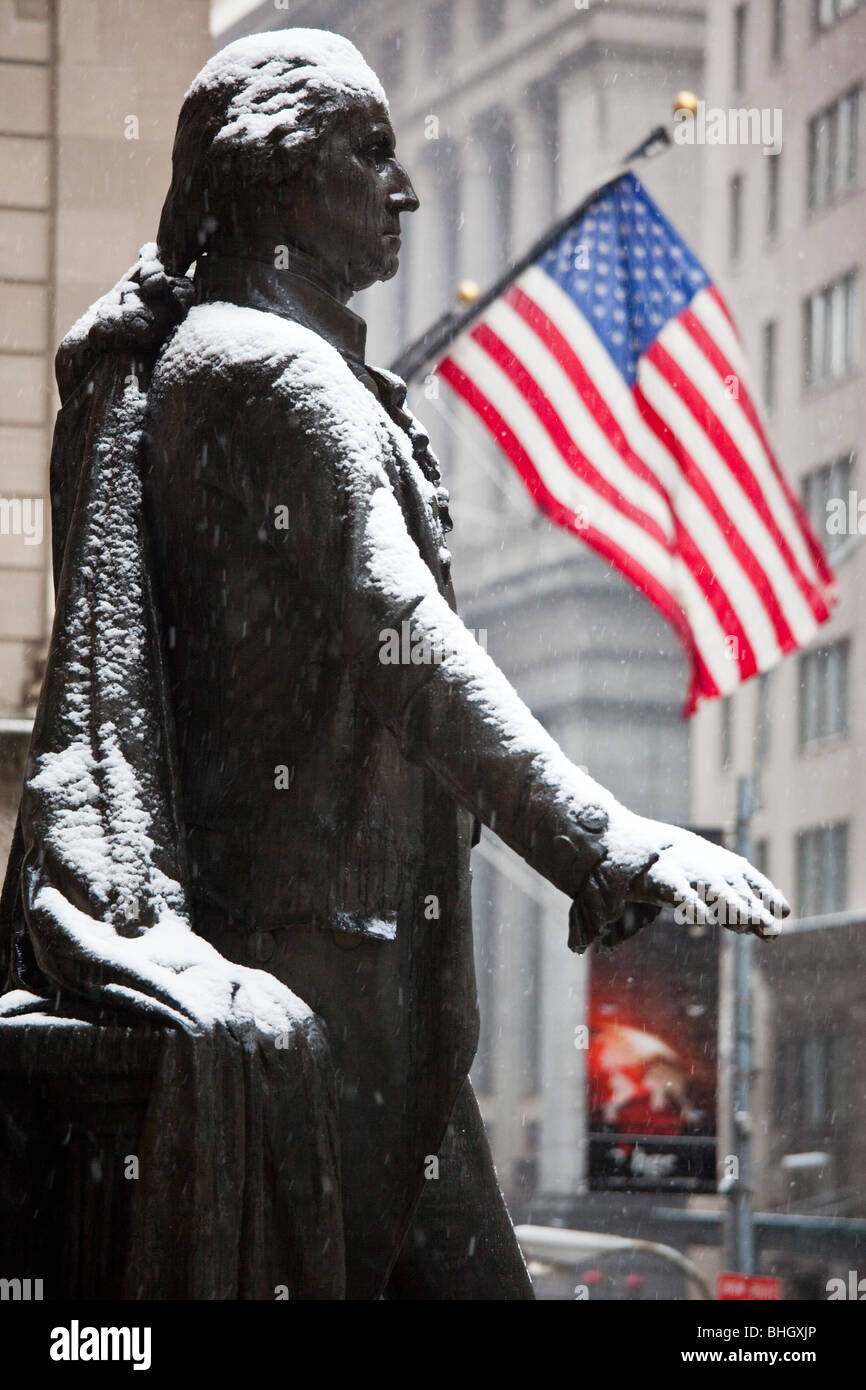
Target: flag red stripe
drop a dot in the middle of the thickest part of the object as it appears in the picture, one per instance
(718, 601)
(715, 431)
(698, 565)
(708, 422)
(576, 459)
(702, 684)
(712, 426)
(710, 584)
(717, 359)
(544, 328)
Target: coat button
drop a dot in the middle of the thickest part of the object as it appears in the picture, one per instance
(261, 947)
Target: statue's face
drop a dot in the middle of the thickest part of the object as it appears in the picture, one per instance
(345, 208)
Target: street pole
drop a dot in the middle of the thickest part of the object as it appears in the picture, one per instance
(739, 1232)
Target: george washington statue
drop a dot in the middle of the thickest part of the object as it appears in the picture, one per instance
(242, 830)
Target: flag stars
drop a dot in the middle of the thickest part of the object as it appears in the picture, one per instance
(626, 270)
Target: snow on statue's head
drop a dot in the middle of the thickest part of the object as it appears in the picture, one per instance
(257, 111)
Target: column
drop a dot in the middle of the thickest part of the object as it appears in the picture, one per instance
(534, 167)
(564, 1007)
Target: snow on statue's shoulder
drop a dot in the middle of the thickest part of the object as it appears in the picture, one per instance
(227, 343)
(229, 347)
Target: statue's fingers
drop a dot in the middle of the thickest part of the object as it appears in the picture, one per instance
(672, 889)
(768, 894)
(748, 913)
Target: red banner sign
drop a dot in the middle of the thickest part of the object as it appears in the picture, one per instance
(747, 1287)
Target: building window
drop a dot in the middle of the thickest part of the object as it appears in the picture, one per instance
(820, 487)
(391, 62)
(824, 693)
(834, 150)
(814, 1087)
(739, 47)
(827, 12)
(822, 869)
(441, 28)
(832, 331)
(769, 336)
(726, 734)
(777, 32)
(491, 19)
(773, 167)
(735, 217)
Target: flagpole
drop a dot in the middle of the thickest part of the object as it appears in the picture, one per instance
(435, 339)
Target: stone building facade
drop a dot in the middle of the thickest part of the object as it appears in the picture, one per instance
(90, 100)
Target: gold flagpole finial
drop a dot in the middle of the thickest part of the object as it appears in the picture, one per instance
(686, 101)
(467, 292)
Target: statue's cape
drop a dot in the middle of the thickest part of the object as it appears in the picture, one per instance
(239, 1188)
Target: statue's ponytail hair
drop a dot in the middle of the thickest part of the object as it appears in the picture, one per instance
(131, 321)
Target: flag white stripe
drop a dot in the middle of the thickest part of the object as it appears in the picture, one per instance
(573, 493)
(706, 380)
(744, 597)
(714, 319)
(580, 424)
(596, 362)
(691, 511)
(734, 500)
(707, 630)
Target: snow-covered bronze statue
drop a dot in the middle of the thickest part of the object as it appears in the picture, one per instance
(236, 814)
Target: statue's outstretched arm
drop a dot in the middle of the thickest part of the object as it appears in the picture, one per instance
(452, 709)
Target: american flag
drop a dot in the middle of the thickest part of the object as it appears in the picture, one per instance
(612, 376)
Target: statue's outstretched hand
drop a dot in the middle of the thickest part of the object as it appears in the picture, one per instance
(706, 883)
(652, 865)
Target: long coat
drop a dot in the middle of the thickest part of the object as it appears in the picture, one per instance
(328, 789)
(244, 824)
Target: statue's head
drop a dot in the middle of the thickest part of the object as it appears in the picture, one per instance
(285, 139)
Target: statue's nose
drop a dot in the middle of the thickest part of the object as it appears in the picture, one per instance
(403, 197)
